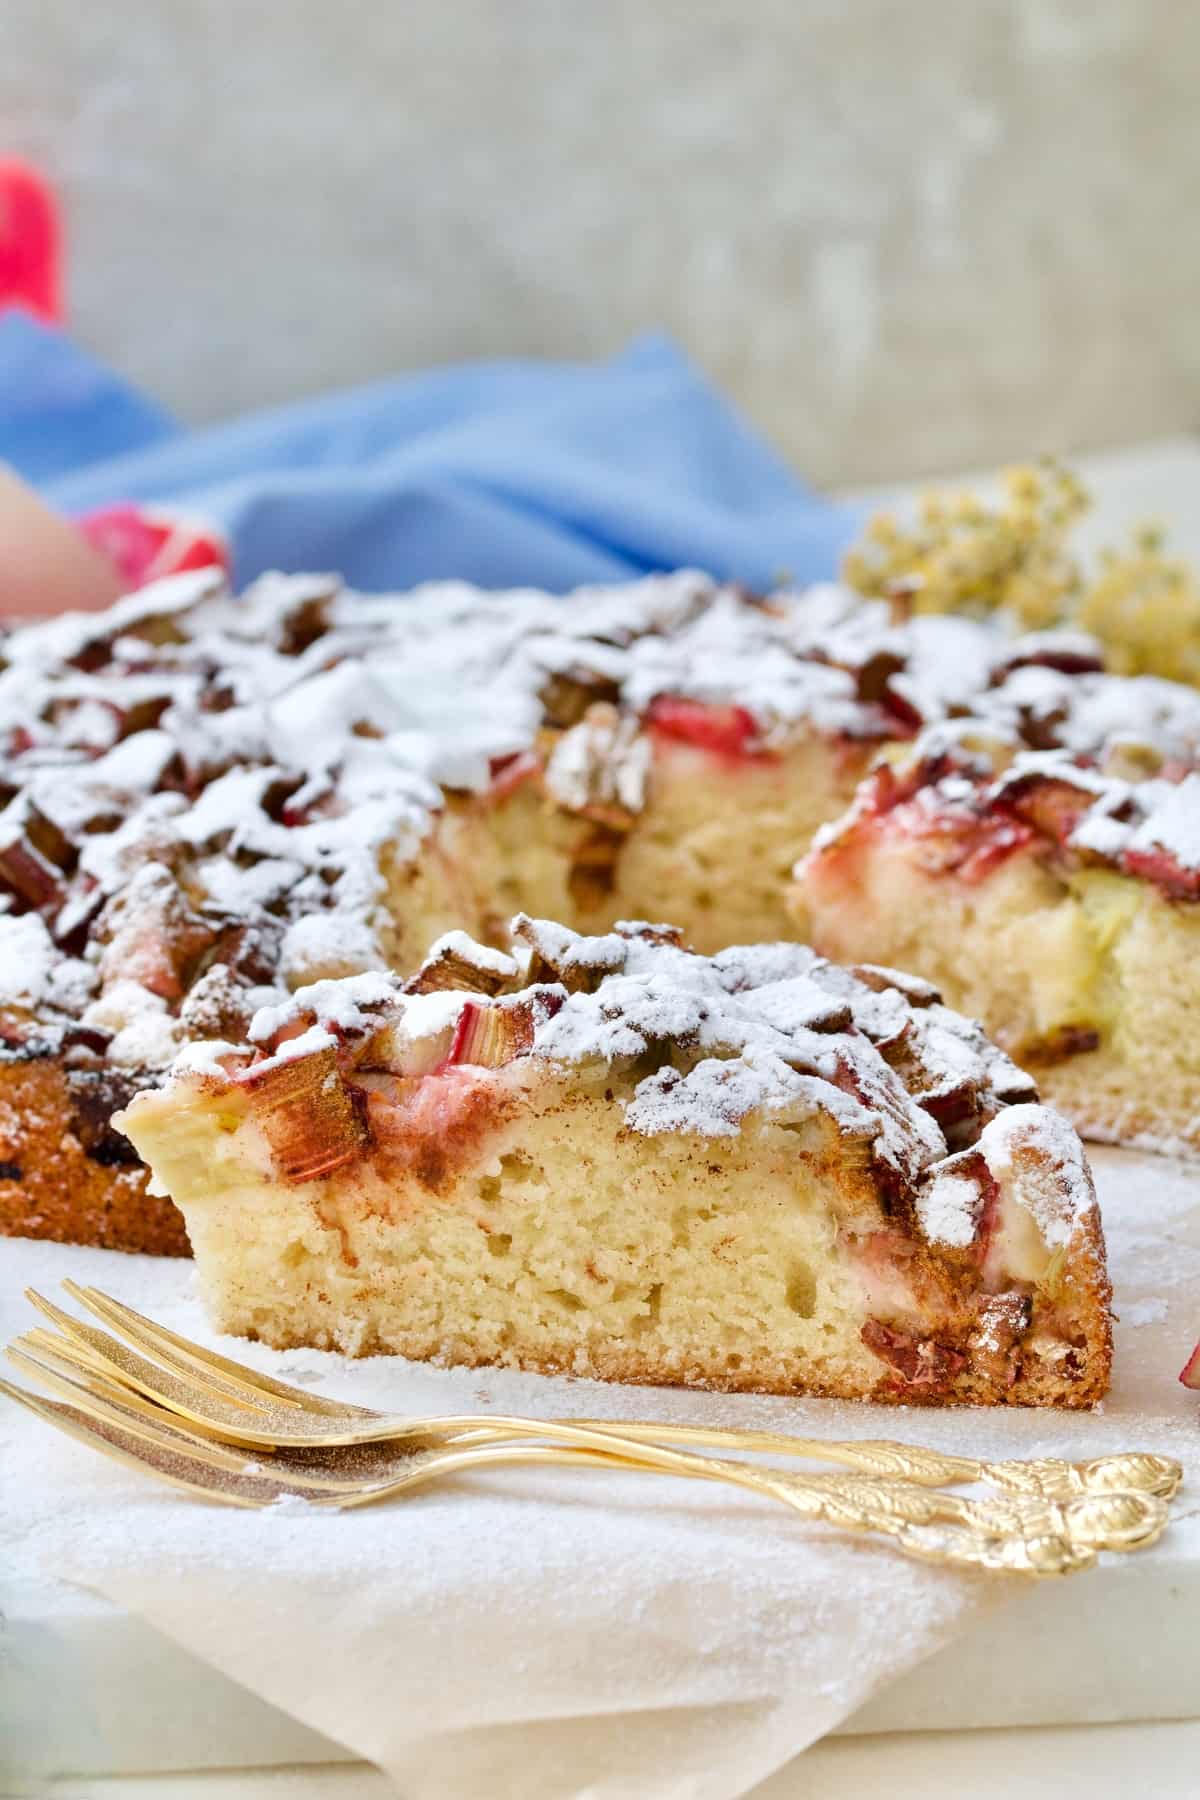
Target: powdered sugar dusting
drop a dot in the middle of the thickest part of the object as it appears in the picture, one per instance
(282, 757)
(948, 1209)
(1038, 1155)
(767, 1031)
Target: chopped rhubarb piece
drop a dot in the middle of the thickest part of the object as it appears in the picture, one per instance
(1003, 1320)
(1169, 875)
(640, 931)
(598, 768)
(908, 717)
(455, 970)
(1079, 658)
(1052, 807)
(723, 730)
(998, 841)
(1190, 1373)
(77, 914)
(953, 1104)
(556, 955)
(249, 950)
(1059, 1045)
(872, 674)
(508, 773)
(24, 871)
(887, 788)
(922, 1362)
(307, 1114)
(153, 936)
(302, 624)
(291, 1028)
(48, 838)
(217, 1005)
(491, 1035)
(95, 1095)
(91, 1038)
(916, 991)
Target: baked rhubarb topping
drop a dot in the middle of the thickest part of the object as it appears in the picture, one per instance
(965, 808)
(189, 767)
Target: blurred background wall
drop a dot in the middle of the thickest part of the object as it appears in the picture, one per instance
(906, 237)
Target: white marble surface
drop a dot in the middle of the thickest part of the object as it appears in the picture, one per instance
(1106, 1763)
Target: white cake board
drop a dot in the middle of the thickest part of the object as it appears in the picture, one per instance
(85, 1688)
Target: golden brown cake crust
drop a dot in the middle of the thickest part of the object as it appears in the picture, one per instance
(66, 1175)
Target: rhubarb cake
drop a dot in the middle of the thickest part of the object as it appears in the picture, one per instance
(210, 801)
(614, 1156)
(1049, 895)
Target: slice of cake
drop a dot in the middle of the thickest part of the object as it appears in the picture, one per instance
(614, 1156)
(1058, 903)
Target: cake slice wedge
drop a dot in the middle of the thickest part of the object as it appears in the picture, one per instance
(1055, 900)
(613, 1156)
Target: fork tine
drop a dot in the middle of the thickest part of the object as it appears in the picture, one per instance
(154, 1341)
(171, 1458)
(123, 1364)
(57, 1367)
(298, 1471)
(146, 1333)
(168, 1461)
(172, 1387)
(136, 1422)
(81, 1356)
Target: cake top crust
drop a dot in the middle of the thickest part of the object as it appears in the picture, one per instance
(225, 777)
(998, 801)
(752, 1038)
(691, 1043)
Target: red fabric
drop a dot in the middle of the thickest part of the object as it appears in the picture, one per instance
(145, 544)
(30, 243)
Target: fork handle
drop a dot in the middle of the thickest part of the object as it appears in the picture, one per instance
(870, 1456)
(1054, 1477)
(931, 1527)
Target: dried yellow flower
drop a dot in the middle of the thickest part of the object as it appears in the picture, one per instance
(963, 556)
(1013, 558)
(1144, 606)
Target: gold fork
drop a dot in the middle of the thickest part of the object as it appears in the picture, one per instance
(1018, 1533)
(236, 1402)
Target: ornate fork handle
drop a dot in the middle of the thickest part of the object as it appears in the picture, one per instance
(1133, 1471)
(1026, 1532)
(1018, 1533)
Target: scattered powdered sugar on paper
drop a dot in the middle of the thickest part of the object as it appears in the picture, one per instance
(1143, 1312)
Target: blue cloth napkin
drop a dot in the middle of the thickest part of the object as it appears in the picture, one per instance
(503, 473)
